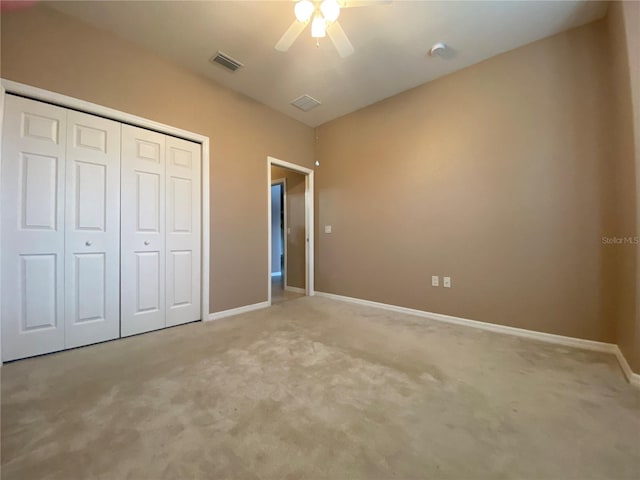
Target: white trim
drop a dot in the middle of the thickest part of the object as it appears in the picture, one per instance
(289, 165)
(632, 378)
(35, 93)
(2, 96)
(294, 289)
(309, 223)
(310, 251)
(237, 311)
(283, 182)
(269, 233)
(65, 101)
(491, 327)
(206, 232)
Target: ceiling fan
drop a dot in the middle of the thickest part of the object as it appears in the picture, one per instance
(323, 16)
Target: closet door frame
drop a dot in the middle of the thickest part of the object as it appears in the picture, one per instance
(8, 86)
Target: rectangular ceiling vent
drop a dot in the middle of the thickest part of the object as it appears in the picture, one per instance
(226, 61)
(305, 103)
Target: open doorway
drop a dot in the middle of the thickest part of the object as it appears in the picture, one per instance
(278, 235)
(290, 230)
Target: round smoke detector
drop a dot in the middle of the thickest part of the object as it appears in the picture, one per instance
(438, 50)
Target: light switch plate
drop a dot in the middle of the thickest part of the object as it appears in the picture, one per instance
(446, 281)
(288, 230)
(435, 281)
(327, 229)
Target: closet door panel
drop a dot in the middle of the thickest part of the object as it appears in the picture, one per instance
(183, 231)
(101, 229)
(32, 242)
(143, 231)
(92, 233)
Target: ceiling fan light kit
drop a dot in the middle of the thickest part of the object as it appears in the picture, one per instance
(330, 10)
(325, 15)
(318, 27)
(303, 10)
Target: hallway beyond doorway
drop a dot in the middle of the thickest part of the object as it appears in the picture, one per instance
(278, 293)
(292, 265)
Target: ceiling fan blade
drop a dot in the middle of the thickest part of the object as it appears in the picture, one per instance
(290, 36)
(339, 39)
(362, 3)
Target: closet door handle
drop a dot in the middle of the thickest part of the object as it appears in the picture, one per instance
(87, 243)
(146, 242)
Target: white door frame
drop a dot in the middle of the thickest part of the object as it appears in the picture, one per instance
(8, 86)
(283, 182)
(308, 218)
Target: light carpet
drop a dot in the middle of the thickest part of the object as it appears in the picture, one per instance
(318, 388)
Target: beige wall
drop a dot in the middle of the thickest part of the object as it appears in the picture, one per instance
(632, 31)
(623, 22)
(497, 175)
(296, 222)
(46, 49)
(504, 175)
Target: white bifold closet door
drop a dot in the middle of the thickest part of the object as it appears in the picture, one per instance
(143, 231)
(60, 228)
(33, 175)
(183, 231)
(160, 247)
(92, 230)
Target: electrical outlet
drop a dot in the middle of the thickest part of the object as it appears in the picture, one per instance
(446, 282)
(435, 281)
(327, 229)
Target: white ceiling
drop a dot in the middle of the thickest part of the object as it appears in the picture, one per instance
(391, 43)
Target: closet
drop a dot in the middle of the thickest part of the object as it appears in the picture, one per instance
(160, 232)
(100, 229)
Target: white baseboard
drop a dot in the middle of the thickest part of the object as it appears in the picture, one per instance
(633, 378)
(492, 327)
(237, 311)
(294, 289)
(592, 345)
(276, 274)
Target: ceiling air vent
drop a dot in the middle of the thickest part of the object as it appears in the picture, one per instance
(226, 61)
(305, 103)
